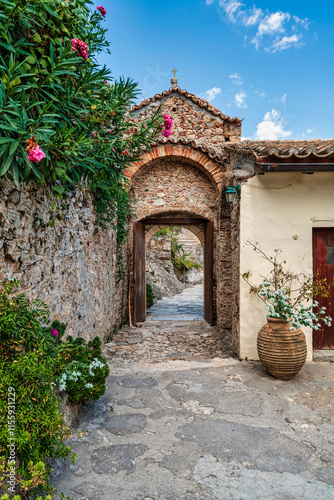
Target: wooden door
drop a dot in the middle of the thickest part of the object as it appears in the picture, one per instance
(208, 272)
(323, 266)
(139, 313)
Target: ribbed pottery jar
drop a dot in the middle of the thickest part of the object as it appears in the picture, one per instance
(281, 351)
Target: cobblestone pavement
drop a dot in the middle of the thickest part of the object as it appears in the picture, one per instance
(180, 420)
(187, 305)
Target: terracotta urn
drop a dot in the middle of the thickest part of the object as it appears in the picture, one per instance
(281, 351)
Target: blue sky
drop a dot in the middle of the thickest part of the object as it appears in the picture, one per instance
(270, 63)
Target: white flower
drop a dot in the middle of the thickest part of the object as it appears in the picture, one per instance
(95, 364)
(89, 386)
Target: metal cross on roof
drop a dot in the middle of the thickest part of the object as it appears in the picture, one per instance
(174, 71)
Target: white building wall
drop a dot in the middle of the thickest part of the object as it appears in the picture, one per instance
(279, 210)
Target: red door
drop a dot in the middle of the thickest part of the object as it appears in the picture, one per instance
(139, 273)
(323, 267)
(208, 272)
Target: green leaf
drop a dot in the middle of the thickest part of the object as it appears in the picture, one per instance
(5, 140)
(15, 174)
(58, 189)
(8, 47)
(14, 146)
(5, 165)
(36, 171)
(50, 10)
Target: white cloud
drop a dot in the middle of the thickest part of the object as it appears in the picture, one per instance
(210, 94)
(286, 42)
(273, 23)
(239, 99)
(272, 127)
(309, 131)
(270, 26)
(304, 22)
(276, 30)
(283, 98)
(236, 78)
(231, 8)
(252, 17)
(263, 95)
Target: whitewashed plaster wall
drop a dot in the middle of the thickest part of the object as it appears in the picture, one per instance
(279, 210)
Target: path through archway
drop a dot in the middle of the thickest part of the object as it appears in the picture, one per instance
(145, 229)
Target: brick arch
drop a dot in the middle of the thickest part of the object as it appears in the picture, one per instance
(202, 161)
(196, 229)
(177, 210)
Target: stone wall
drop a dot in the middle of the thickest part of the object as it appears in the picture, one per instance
(69, 266)
(159, 268)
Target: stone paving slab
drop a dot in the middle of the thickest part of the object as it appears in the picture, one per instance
(185, 306)
(202, 427)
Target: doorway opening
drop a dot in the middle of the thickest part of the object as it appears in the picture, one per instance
(198, 303)
(174, 275)
(323, 268)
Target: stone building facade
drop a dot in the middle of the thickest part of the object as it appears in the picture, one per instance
(286, 195)
(188, 173)
(183, 178)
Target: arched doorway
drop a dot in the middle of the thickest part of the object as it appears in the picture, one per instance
(175, 185)
(144, 229)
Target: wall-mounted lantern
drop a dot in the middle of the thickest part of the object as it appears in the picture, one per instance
(231, 193)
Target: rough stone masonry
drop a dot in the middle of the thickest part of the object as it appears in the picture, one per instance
(71, 266)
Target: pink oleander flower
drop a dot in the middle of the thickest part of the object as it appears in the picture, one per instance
(80, 47)
(54, 332)
(168, 123)
(36, 154)
(102, 10)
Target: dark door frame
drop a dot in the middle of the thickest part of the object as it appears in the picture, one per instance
(322, 238)
(139, 259)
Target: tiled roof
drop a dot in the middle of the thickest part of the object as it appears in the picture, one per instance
(197, 100)
(286, 149)
(211, 152)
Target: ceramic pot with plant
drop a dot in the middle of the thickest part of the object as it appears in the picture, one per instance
(290, 304)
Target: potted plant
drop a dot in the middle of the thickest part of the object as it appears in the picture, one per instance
(290, 304)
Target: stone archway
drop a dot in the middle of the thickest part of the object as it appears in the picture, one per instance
(175, 189)
(187, 173)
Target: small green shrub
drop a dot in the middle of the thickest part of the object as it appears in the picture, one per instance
(33, 359)
(149, 296)
(21, 325)
(27, 392)
(39, 424)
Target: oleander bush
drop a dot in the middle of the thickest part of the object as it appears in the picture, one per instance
(63, 119)
(54, 95)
